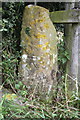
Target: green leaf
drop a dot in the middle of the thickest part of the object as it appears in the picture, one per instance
(28, 31)
(1, 116)
(3, 29)
(64, 60)
(54, 115)
(17, 86)
(20, 83)
(5, 21)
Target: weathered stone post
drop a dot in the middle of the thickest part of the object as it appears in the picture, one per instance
(73, 66)
(71, 19)
(72, 40)
(38, 65)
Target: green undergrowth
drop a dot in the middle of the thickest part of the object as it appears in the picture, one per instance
(21, 107)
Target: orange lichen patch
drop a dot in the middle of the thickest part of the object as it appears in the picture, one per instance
(46, 26)
(40, 36)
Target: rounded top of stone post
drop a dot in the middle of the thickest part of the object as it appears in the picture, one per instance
(36, 8)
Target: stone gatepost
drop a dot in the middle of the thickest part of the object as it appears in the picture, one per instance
(73, 66)
(38, 64)
(71, 19)
(72, 40)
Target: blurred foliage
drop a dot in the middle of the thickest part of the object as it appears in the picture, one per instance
(11, 27)
(53, 6)
(14, 107)
(63, 55)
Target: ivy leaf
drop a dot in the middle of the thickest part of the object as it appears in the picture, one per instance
(64, 60)
(54, 115)
(3, 29)
(28, 31)
(17, 86)
(68, 57)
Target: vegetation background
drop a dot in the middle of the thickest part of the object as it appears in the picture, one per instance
(25, 106)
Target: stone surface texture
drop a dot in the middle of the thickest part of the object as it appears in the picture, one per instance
(38, 64)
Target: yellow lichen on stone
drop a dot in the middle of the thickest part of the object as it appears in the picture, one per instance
(47, 43)
(41, 58)
(40, 46)
(32, 16)
(41, 20)
(42, 63)
(44, 48)
(41, 36)
(46, 26)
(46, 53)
(32, 23)
(36, 20)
